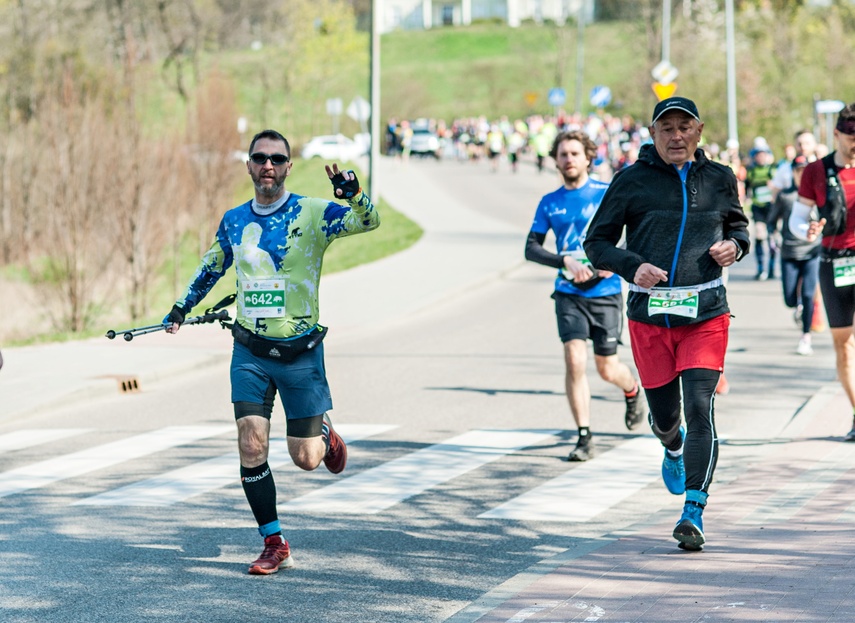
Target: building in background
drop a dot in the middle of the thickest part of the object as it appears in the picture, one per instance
(424, 14)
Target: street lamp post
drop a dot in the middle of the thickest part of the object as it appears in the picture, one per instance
(374, 96)
(732, 132)
(580, 56)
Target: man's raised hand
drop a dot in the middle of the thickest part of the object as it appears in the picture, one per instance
(344, 182)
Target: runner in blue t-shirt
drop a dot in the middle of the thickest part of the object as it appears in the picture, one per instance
(588, 302)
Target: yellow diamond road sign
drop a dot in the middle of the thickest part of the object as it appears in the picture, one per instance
(664, 91)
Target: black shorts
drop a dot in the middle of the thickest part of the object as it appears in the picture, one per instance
(839, 302)
(597, 319)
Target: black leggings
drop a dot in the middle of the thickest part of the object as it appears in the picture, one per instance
(700, 452)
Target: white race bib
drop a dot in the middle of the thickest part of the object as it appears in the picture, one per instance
(579, 256)
(263, 298)
(676, 301)
(844, 271)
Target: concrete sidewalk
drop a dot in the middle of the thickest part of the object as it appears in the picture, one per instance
(460, 249)
(780, 547)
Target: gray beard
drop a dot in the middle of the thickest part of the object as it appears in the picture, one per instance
(271, 191)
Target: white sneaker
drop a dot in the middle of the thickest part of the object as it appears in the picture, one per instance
(804, 347)
(797, 315)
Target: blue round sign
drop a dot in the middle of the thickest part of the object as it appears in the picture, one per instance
(557, 97)
(601, 96)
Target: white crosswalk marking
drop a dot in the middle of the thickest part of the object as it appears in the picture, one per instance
(20, 439)
(384, 486)
(589, 489)
(99, 457)
(178, 485)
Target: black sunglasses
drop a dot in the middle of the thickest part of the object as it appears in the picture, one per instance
(260, 157)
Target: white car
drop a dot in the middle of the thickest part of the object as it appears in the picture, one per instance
(333, 147)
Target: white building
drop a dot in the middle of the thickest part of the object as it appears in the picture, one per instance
(422, 14)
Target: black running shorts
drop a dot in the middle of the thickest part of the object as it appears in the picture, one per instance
(839, 302)
(597, 319)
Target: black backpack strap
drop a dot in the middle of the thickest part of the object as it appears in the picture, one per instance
(224, 303)
(834, 210)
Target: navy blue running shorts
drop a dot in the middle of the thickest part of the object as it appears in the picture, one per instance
(301, 383)
(597, 319)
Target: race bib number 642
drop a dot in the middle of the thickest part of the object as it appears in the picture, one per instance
(263, 298)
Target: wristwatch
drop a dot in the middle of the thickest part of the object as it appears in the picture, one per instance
(739, 251)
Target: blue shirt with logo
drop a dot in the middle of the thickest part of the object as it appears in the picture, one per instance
(567, 213)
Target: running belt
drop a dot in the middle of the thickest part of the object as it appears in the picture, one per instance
(709, 285)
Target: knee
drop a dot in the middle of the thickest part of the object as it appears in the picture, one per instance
(575, 357)
(253, 450)
(607, 373)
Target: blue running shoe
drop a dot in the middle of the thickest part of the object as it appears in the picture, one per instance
(690, 529)
(673, 470)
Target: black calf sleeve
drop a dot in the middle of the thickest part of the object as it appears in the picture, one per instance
(260, 491)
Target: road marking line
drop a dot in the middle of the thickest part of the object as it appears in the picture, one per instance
(100, 457)
(382, 487)
(20, 439)
(181, 484)
(589, 489)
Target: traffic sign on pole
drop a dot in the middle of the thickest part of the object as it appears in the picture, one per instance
(664, 72)
(829, 107)
(601, 96)
(664, 91)
(557, 96)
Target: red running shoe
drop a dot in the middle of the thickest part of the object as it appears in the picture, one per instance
(276, 555)
(336, 457)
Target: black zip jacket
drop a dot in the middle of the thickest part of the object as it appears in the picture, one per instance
(670, 225)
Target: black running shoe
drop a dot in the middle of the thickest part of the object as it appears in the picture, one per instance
(636, 410)
(583, 451)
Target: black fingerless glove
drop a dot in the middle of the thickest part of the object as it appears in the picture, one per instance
(175, 315)
(349, 188)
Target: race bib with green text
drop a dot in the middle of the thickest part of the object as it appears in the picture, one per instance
(263, 298)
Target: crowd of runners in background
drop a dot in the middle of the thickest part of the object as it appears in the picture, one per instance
(765, 179)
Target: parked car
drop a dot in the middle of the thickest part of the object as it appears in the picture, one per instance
(424, 143)
(333, 147)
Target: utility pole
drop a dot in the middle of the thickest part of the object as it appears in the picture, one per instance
(374, 96)
(666, 30)
(732, 132)
(580, 56)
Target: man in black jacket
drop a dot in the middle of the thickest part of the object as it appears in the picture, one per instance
(684, 223)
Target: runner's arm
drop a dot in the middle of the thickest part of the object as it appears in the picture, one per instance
(214, 264)
(735, 221)
(604, 236)
(801, 224)
(536, 252)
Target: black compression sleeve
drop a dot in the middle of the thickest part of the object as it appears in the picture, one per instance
(534, 251)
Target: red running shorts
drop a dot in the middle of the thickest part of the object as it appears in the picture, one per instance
(661, 354)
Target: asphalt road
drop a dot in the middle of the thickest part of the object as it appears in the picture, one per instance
(440, 382)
